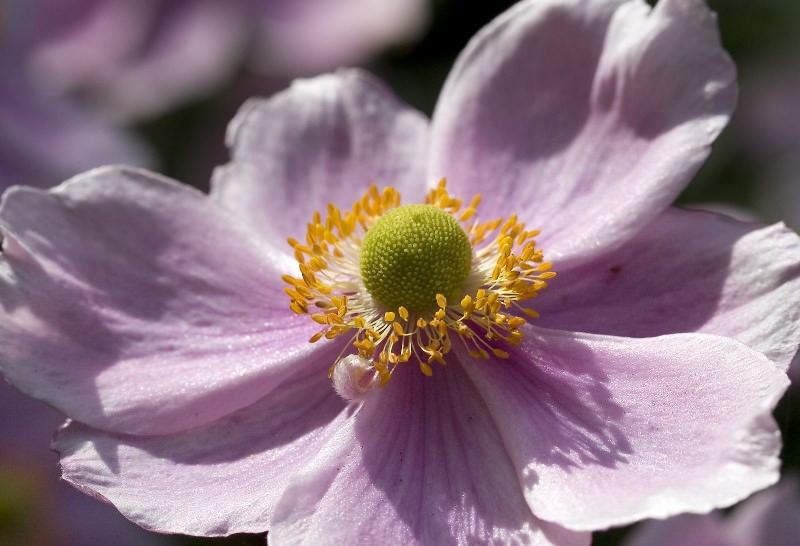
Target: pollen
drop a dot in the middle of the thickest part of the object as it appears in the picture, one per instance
(404, 283)
(413, 253)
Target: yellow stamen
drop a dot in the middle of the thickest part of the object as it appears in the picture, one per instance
(506, 269)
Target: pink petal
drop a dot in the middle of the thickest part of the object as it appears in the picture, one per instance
(134, 304)
(217, 480)
(587, 117)
(688, 271)
(420, 463)
(605, 431)
(324, 140)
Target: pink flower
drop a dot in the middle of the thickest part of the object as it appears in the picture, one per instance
(72, 70)
(44, 140)
(155, 316)
(39, 509)
(767, 135)
(139, 58)
(311, 36)
(770, 518)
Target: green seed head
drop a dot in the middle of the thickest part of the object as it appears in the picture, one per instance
(413, 253)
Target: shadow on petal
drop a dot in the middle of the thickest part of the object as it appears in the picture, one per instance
(431, 448)
(574, 404)
(665, 280)
(568, 404)
(137, 305)
(302, 403)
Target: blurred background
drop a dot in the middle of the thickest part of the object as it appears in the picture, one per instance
(155, 82)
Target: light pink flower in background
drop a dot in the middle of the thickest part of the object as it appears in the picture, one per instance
(44, 140)
(768, 133)
(42, 510)
(72, 70)
(140, 58)
(129, 58)
(155, 317)
(312, 36)
(770, 518)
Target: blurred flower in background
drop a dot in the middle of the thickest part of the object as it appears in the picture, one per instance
(757, 165)
(44, 139)
(310, 36)
(769, 518)
(36, 508)
(769, 133)
(139, 58)
(128, 58)
(76, 72)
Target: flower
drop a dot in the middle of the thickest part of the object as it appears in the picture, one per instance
(771, 517)
(155, 316)
(134, 59)
(44, 140)
(73, 72)
(301, 38)
(392, 285)
(128, 60)
(37, 508)
(766, 137)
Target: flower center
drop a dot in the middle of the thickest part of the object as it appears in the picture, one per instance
(406, 282)
(413, 253)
